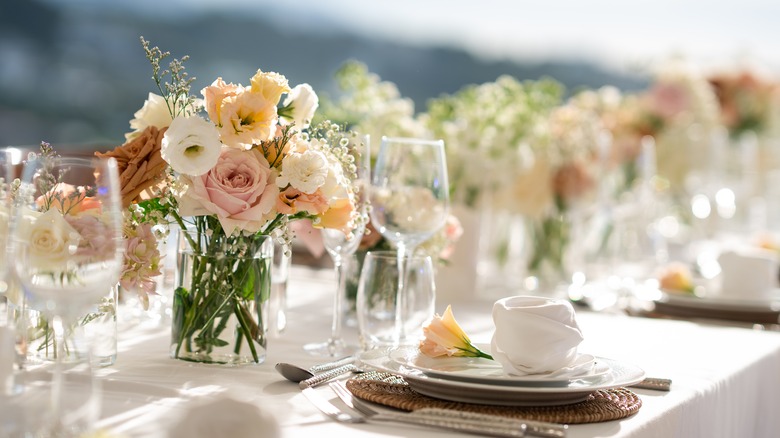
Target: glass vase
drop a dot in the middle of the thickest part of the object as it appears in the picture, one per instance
(220, 303)
(99, 327)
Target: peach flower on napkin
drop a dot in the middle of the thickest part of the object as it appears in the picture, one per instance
(445, 337)
(536, 335)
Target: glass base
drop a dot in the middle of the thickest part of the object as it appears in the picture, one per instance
(330, 348)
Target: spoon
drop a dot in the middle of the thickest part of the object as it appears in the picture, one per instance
(297, 374)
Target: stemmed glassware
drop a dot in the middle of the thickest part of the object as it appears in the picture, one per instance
(66, 242)
(341, 247)
(409, 202)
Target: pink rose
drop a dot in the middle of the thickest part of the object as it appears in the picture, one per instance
(241, 190)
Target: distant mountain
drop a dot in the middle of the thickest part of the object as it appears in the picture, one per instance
(77, 76)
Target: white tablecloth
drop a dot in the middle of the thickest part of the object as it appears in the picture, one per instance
(726, 380)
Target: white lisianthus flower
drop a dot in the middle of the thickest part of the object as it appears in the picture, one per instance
(305, 171)
(154, 113)
(191, 145)
(302, 102)
(49, 238)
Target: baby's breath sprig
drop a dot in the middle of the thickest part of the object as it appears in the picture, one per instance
(273, 149)
(176, 92)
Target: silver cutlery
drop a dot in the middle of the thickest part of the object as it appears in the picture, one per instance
(460, 421)
(296, 374)
(654, 383)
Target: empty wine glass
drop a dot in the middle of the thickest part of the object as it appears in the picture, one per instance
(341, 247)
(409, 201)
(67, 253)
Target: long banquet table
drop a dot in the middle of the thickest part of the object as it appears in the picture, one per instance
(726, 380)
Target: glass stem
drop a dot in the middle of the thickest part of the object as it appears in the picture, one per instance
(58, 326)
(401, 297)
(335, 328)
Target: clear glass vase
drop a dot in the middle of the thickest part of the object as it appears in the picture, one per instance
(220, 304)
(98, 326)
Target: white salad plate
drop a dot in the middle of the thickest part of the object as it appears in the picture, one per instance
(506, 394)
(481, 370)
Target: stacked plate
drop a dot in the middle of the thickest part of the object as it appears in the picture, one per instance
(757, 311)
(482, 381)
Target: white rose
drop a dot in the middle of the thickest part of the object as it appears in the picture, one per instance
(154, 113)
(49, 238)
(191, 145)
(305, 171)
(303, 102)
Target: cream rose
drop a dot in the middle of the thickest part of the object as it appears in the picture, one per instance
(155, 113)
(49, 238)
(305, 171)
(191, 145)
(241, 190)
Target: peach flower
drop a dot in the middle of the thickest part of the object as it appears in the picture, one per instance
(572, 180)
(445, 337)
(270, 85)
(292, 200)
(140, 164)
(338, 217)
(676, 277)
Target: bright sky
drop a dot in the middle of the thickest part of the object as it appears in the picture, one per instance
(622, 34)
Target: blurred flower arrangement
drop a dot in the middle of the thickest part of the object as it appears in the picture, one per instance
(230, 177)
(569, 147)
(487, 130)
(370, 105)
(747, 101)
(681, 111)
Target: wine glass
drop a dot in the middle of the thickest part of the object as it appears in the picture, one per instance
(409, 202)
(67, 253)
(341, 247)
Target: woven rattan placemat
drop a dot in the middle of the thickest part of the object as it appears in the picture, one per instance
(391, 390)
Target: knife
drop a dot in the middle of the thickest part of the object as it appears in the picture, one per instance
(326, 407)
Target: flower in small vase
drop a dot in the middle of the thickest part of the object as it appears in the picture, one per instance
(142, 262)
(445, 337)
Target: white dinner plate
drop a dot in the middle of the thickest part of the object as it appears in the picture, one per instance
(481, 370)
(620, 374)
(716, 302)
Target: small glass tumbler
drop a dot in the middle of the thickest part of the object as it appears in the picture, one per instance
(280, 275)
(379, 322)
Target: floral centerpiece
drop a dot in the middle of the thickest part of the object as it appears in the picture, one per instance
(231, 170)
(567, 158)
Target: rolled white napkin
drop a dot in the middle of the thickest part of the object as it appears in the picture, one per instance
(536, 335)
(224, 416)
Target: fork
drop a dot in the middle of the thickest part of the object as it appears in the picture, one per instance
(467, 422)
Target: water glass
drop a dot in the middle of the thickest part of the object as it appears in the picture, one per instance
(280, 275)
(376, 299)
